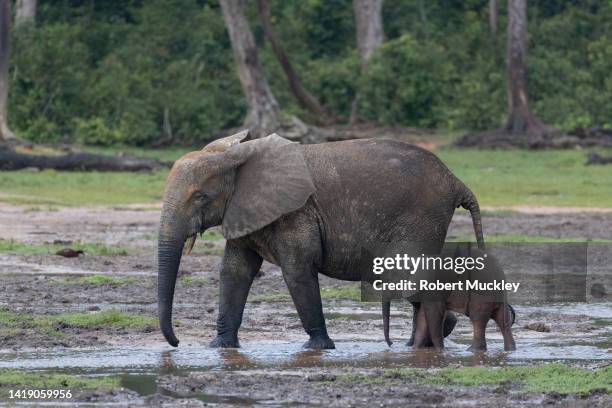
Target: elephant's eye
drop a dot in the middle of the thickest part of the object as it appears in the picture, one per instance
(199, 198)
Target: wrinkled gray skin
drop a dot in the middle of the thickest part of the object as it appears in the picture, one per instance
(308, 209)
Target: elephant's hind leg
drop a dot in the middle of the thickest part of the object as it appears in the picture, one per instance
(503, 318)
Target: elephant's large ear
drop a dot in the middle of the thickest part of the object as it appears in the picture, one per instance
(221, 145)
(272, 179)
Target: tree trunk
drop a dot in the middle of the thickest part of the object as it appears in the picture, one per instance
(5, 21)
(11, 159)
(262, 109)
(25, 11)
(493, 16)
(521, 120)
(369, 35)
(306, 100)
(523, 128)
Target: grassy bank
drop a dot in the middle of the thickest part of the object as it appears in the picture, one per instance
(17, 379)
(556, 377)
(498, 177)
(55, 325)
(518, 177)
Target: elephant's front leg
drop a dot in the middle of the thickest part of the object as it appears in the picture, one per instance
(240, 265)
(303, 284)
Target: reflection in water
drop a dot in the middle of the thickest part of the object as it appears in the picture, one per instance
(289, 354)
(232, 359)
(167, 364)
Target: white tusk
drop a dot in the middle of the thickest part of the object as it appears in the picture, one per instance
(189, 243)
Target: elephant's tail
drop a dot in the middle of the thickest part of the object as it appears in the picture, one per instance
(386, 311)
(469, 202)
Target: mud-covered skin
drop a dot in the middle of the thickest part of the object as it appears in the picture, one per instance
(366, 192)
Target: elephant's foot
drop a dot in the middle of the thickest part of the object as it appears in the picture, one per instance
(320, 343)
(476, 348)
(224, 342)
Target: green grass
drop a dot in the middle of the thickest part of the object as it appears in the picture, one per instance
(52, 325)
(17, 379)
(498, 177)
(100, 280)
(555, 377)
(272, 297)
(545, 378)
(520, 238)
(207, 250)
(108, 318)
(79, 188)
(513, 177)
(351, 292)
(17, 247)
(211, 235)
(166, 154)
(194, 281)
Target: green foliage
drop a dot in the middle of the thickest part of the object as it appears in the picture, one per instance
(107, 73)
(405, 83)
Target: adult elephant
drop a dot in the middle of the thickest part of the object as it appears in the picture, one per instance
(308, 209)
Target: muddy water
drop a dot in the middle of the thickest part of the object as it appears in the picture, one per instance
(271, 335)
(141, 367)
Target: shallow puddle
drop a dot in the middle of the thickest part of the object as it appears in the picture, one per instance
(139, 367)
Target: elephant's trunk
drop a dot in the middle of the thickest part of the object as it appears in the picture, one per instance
(170, 248)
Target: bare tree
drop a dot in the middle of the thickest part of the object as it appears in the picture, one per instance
(521, 120)
(263, 112)
(306, 99)
(523, 128)
(493, 16)
(5, 22)
(369, 35)
(25, 11)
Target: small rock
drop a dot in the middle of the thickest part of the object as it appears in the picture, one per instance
(93, 308)
(69, 253)
(210, 309)
(539, 327)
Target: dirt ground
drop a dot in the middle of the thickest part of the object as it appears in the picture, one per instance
(271, 368)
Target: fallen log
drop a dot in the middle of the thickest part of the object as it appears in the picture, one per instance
(594, 158)
(77, 161)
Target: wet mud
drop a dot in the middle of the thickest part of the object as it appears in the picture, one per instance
(39, 290)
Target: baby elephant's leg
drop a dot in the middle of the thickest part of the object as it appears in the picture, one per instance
(479, 317)
(434, 314)
(504, 319)
(420, 330)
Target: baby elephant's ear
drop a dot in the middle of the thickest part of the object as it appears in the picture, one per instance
(272, 179)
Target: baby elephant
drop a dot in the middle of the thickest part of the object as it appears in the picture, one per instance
(480, 306)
